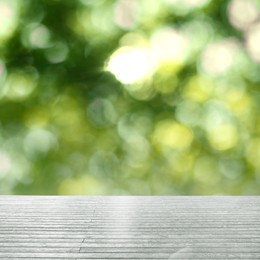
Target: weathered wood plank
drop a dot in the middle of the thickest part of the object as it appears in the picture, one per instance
(58, 228)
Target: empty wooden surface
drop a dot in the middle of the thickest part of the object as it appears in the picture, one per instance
(129, 227)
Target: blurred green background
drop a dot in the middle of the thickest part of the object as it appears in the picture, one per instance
(139, 97)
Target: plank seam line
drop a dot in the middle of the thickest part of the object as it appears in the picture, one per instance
(89, 224)
(81, 244)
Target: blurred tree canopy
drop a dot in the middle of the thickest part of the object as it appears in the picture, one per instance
(140, 97)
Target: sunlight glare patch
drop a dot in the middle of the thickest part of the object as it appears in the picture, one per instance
(130, 65)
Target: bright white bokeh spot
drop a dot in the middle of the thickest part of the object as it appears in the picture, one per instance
(169, 45)
(253, 42)
(242, 13)
(126, 13)
(130, 65)
(39, 37)
(218, 57)
(8, 18)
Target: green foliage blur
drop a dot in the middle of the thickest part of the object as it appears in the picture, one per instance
(130, 97)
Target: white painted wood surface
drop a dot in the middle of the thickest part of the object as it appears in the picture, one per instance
(57, 228)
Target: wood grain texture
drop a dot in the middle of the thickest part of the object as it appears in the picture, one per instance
(58, 228)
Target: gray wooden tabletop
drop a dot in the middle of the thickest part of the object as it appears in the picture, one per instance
(129, 227)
